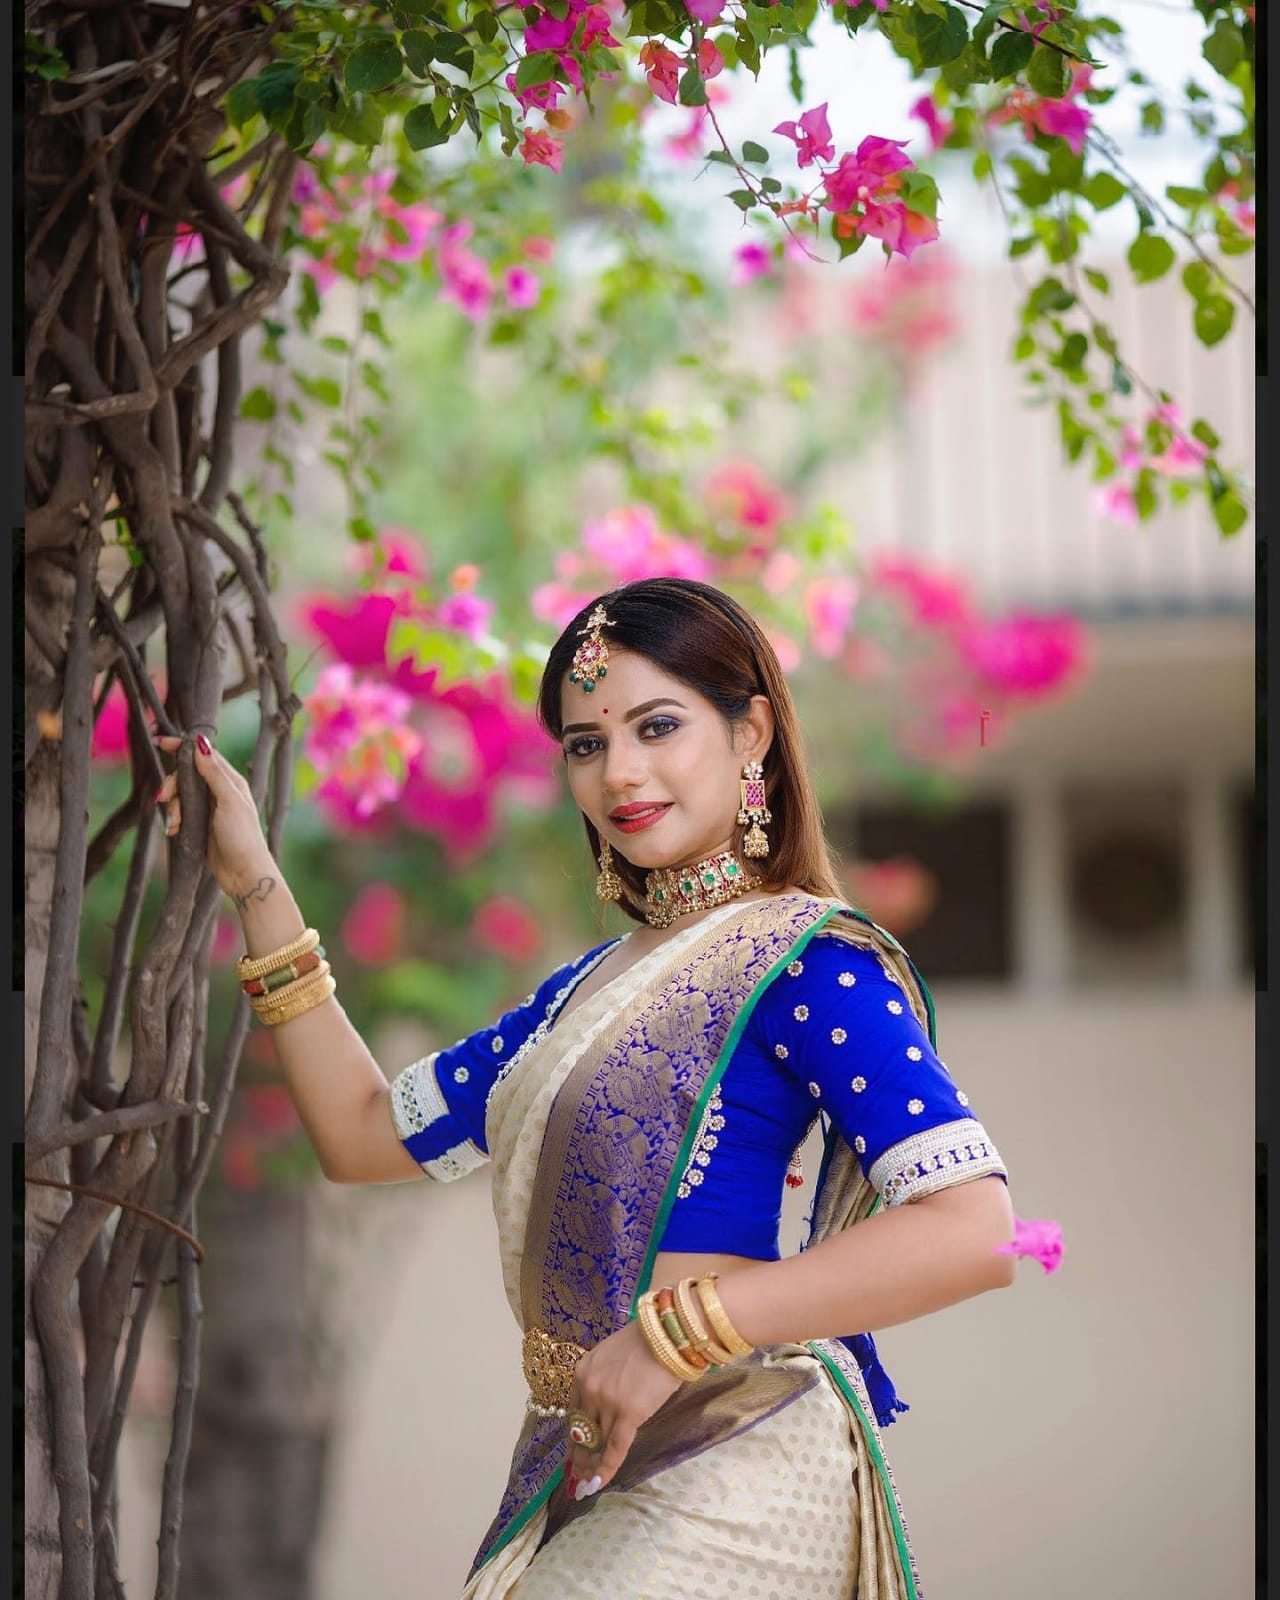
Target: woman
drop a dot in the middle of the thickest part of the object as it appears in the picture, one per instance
(700, 1420)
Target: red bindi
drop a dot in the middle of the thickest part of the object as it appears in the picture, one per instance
(605, 709)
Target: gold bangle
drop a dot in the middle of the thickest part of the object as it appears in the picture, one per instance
(308, 1002)
(702, 1342)
(290, 990)
(299, 991)
(659, 1345)
(718, 1317)
(258, 966)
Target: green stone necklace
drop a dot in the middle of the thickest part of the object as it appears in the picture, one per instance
(672, 892)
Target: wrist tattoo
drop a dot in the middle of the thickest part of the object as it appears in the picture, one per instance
(259, 892)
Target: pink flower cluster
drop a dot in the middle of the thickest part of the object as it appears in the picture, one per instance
(863, 189)
(973, 664)
(624, 545)
(403, 234)
(1162, 446)
(570, 39)
(1039, 1238)
(473, 750)
(1064, 119)
(909, 308)
(664, 68)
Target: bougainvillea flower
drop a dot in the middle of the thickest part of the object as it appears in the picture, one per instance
(418, 223)
(1036, 1237)
(397, 555)
(935, 124)
(1116, 502)
(785, 648)
(910, 307)
(467, 281)
(740, 491)
(1047, 16)
(811, 136)
(1062, 119)
(522, 288)
(1025, 653)
(558, 603)
(470, 614)
(506, 926)
(710, 60)
(373, 928)
(828, 608)
(1182, 457)
(538, 248)
(628, 543)
(540, 149)
(779, 572)
(111, 731)
(862, 175)
(750, 261)
(705, 11)
(934, 599)
(901, 230)
(662, 67)
(596, 25)
(538, 97)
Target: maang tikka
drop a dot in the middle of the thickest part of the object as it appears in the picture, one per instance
(754, 810)
(608, 883)
(591, 658)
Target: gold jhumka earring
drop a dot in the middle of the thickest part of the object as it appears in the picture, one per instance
(608, 883)
(753, 810)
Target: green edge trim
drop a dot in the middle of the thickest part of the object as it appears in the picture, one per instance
(877, 1455)
(521, 1517)
(685, 1152)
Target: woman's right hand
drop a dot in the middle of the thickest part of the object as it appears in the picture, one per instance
(239, 856)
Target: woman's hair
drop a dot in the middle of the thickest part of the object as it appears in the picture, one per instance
(704, 638)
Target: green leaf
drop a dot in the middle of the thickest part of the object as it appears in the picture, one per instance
(1201, 430)
(360, 120)
(692, 90)
(375, 64)
(985, 25)
(1097, 280)
(1025, 348)
(919, 192)
(1074, 349)
(771, 186)
(1198, 279)
(242, 102)
(1230, 513)
(1188, 199)
(1010, 53)
(743, 199)
(421, 128)
(276, 84)
(419, 51)
(540, 67)
(1050, 295)
(1224, 48)
(455, 49)
(486, 27)
(721, 156)
(258, 405)
(1150, 255)
(939, 38)
(1152, 117)
(756, 154)
(748, 49)
(1214, 316)
(1048, 74)
(1103, 190)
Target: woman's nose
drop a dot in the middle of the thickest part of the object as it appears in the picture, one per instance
(624, 768)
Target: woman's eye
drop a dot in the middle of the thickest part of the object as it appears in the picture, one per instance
(662, 723)
(575, 746)
(586, 744)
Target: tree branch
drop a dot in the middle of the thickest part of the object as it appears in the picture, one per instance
(125, 1119)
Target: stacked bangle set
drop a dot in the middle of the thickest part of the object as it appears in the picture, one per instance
(287, 982)
(688, 1330)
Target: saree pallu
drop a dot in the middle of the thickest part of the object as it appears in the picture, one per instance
(589, 1130)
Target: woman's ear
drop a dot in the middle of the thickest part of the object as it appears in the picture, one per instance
(756, 732)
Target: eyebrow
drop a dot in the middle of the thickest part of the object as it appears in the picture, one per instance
(630, 716)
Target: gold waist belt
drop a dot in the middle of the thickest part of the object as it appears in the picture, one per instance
(548, 1370)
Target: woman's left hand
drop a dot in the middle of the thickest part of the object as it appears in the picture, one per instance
(619, 1385)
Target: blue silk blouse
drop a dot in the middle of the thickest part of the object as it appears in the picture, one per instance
(832, 1035)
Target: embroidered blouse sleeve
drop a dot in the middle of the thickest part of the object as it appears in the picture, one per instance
(845, 1028)
(438, 1103)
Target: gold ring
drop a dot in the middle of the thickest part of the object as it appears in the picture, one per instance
(583, 1431)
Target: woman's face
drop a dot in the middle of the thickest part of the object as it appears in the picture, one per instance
(643, 738)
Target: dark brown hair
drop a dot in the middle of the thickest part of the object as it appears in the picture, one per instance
(705, 639)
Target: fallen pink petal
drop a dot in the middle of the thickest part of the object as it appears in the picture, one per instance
(1040, 1239)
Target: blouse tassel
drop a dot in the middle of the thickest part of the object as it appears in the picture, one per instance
(880, 1390)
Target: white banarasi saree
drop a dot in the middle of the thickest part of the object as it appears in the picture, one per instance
(765, 1478)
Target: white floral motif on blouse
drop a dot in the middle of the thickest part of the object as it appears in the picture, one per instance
(858, 1085)
(795, 968)
(914, 1052)
(838, 1036)
(781, 1051)
(895, 1006)
(553, 1008)
(915, 1107)
(847, 980)
(703, 1145)
(801, 1013)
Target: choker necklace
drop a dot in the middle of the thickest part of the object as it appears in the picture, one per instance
(672, 892)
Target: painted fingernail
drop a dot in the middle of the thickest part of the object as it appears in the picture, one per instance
(580, 1493)
(203, 745)
(594, 1486)
(159, 792)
